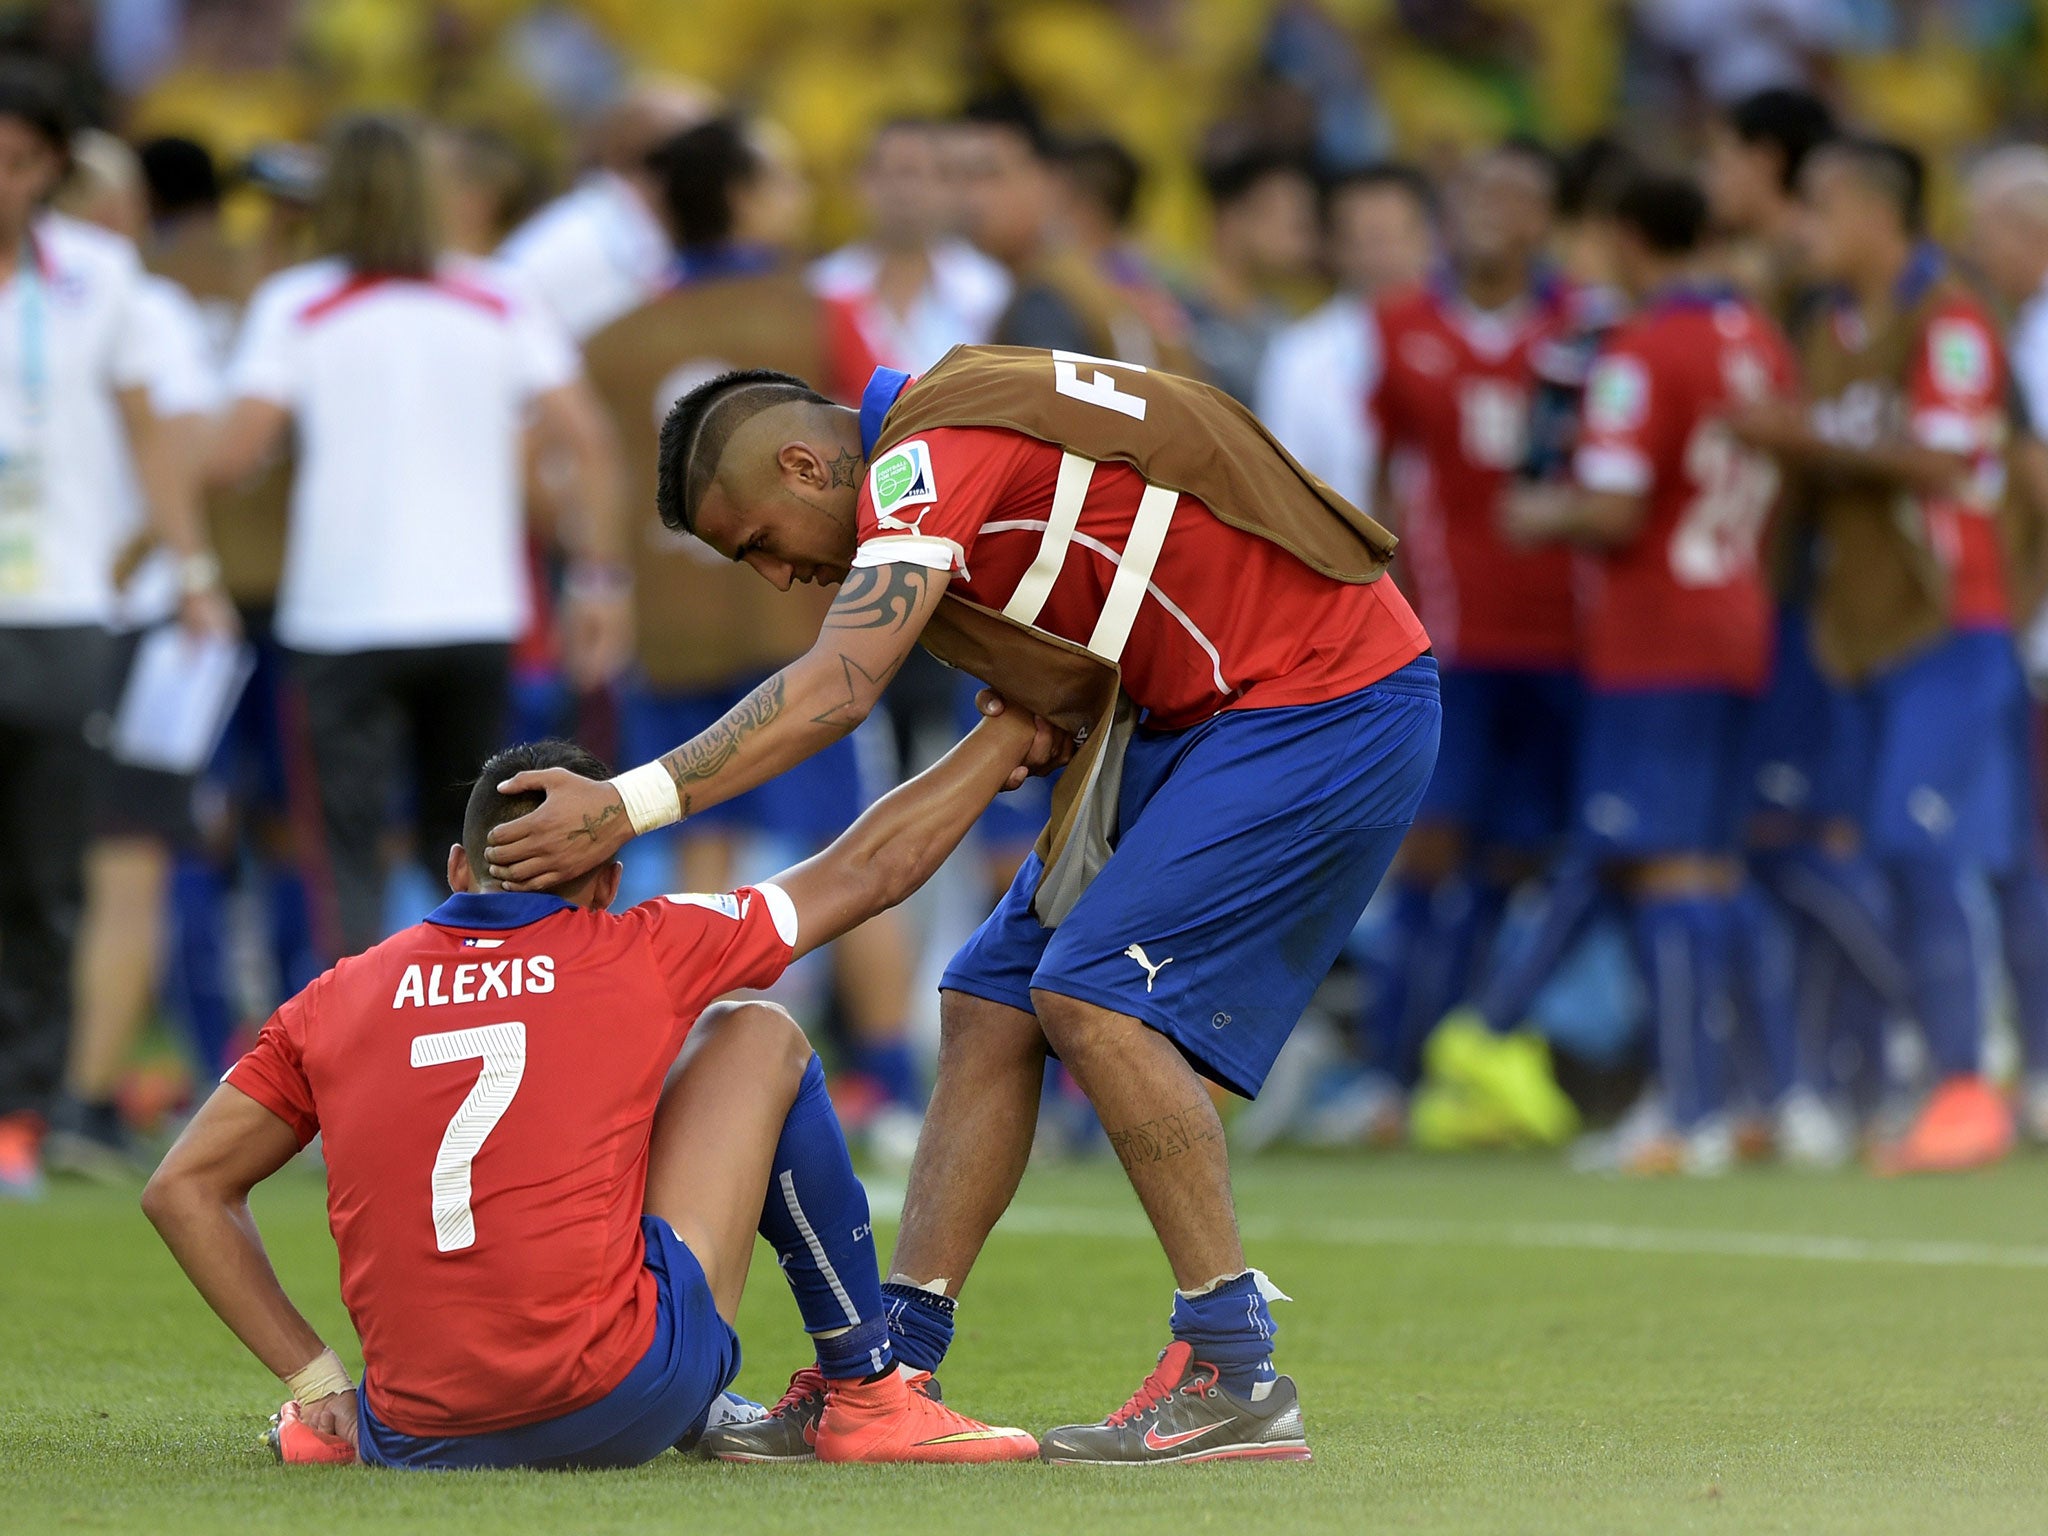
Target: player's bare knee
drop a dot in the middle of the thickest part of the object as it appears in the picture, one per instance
(973, 1028)
(770, 1035)
(1072, 1027)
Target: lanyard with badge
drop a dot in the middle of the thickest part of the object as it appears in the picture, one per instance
(21, 459)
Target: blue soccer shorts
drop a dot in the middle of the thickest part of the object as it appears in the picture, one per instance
(665, 1397)
(1950, 755)
(1504, 769)
(1247, 848)
(1663, 771)
(810, 804)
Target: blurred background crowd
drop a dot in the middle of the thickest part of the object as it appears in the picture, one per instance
(547, 220)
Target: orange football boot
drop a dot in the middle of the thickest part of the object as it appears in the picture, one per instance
(895, 1419)
(1966, 1123)
(299, 1444)
(21, 1157)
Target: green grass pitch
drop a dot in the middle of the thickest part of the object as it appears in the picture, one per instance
(1482, 1346)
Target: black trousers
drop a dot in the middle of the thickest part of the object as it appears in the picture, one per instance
(437, 711)
(51, 682)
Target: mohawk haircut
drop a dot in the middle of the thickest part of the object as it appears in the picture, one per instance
(700, 425)
(488, 809)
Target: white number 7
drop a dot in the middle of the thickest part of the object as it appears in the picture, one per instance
(503, 1049)
(1101, 388)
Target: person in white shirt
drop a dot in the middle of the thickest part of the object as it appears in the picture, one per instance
(76, 361)
(1318, 373)
(601, 250)
(411, 378)
(138, 815)
(2008, 206)
(915, 288)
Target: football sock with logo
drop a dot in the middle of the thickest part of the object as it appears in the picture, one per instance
(1941, 962)
(920, 1324)
(1229, 1325)
(893, 1067)
(1682, 943)
(1762, 974)
(816, 1218)
(1570, 902)
(2022, 898)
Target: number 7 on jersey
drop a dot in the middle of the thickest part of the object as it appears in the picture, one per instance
(503, 1049)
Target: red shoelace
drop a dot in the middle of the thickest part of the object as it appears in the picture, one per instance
(1159, 1386)
(805, 1383)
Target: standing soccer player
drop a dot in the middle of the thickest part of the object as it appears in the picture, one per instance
(544, 1215)
(1281, 721)
(1903, 450)
(1677, 632)
(1457, 380)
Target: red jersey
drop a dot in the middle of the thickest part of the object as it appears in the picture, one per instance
(1683, 603)
(1454, 392)
(1955, 403)
(485, 1084)
(1202, 616)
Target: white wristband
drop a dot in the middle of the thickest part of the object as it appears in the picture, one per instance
(650, 796)
(322, 1376)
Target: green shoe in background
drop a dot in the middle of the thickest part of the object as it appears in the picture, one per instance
(1511, 1074)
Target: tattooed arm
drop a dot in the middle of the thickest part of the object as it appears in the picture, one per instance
(867, 635)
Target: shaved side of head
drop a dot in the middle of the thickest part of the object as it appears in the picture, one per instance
(700, 428)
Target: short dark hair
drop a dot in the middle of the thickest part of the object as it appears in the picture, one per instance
(32, 91)
(1376, 176)
(700, 170)
(1008, 107)
(1891, 170)
(488, 808)
(1105, 172)
(1793, 122)
(1229, 178)
(181, 177)
(1664, 210)
(698, 426)
(1592, 174)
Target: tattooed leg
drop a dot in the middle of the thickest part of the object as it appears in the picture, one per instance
(1164, 1127)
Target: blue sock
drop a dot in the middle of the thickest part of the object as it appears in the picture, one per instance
(291, 928)
(1682, 942)
(1941, 962)
(1231, 1328)
(1574, 895)
(816, 1218)
(1763, 972)
(920, 1324)
(1385, 1029)
(1440, 964)
(197, 974)
(893, 1066)
(2023, 932)
(1848, 901)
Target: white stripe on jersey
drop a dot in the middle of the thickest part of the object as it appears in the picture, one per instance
(1133, 573)
(1035, 586)
(1179, 614)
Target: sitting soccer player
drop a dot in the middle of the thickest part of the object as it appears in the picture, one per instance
(544, 1213)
